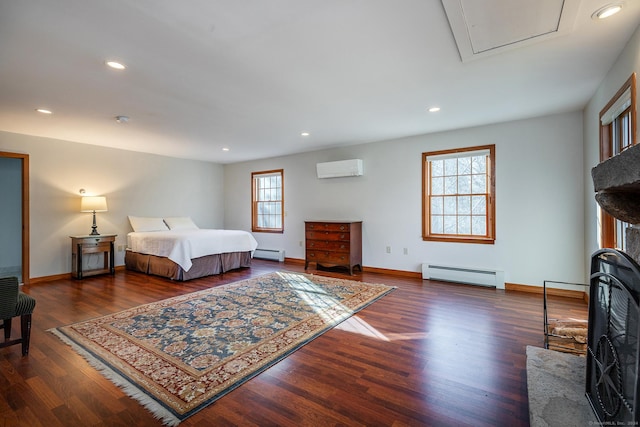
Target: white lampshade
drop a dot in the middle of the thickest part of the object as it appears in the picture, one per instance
(93, 204)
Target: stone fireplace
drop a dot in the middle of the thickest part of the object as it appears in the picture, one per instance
(613, 351)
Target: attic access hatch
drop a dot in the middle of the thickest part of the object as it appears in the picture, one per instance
(483, 28)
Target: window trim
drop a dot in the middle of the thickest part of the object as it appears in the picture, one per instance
(606, 148)
(426, 217)
(607, 223)
(254, 202)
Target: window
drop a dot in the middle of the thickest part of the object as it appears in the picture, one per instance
(267, 201)
(617, 133)
(459, 195)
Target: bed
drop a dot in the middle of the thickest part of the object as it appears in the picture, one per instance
(177, 249)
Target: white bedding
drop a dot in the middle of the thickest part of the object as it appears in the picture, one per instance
(181, 246)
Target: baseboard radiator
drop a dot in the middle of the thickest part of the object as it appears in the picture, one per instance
(471, 276)
(270, 254)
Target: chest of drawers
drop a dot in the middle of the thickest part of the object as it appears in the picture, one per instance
(333, 244)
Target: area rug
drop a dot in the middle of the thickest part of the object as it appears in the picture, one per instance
(179, 355)
(556, 386)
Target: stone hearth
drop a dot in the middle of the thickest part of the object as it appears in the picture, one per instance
(616, 182)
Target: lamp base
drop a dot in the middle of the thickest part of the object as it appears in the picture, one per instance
(94, 227)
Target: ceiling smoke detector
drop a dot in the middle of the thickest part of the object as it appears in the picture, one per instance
(122, 119)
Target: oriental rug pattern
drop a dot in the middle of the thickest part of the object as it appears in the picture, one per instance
(179, 355)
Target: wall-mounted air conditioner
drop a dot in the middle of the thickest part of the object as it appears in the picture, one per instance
(340, 168)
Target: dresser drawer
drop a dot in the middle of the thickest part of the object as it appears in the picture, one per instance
(99, 240)
(327, 226)
(326, 235)
(328, 257)
(96, 247)
(93, 240)
(328, 245)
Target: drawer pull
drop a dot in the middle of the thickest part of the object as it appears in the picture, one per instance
(312, 244)
(342, 227)
(342, 236)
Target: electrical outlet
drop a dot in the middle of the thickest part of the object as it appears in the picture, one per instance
(388, 249)
(405, 251)
(300, 243)
(120, 248)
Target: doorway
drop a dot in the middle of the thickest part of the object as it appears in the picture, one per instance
(14, 215)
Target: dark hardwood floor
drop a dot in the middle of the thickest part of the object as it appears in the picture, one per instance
(435, 354)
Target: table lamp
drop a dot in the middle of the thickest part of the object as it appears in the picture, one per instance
(93, 204)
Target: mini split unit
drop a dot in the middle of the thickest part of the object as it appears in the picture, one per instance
(340, 168)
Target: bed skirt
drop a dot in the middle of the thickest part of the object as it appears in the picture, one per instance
(203, 266)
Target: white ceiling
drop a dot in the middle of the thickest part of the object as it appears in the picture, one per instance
(251, 75)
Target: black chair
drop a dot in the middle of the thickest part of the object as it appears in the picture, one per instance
(13, 303)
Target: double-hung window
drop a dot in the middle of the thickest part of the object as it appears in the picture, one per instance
(267, 201)
(459, 195)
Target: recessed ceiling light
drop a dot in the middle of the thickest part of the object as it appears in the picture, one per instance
(225, 148)
(44, 111)
(305, 134)
(434, 109)
(116, 65)
(607, 11)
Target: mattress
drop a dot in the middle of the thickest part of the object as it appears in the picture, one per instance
(182, 246)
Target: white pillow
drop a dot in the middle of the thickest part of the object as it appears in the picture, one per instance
(180, 223)
(139, 223)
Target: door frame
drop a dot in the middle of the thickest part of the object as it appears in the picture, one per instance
(25, 211)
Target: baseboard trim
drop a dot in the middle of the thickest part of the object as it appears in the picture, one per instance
(44, 279)
(400, 273)
(550, 291)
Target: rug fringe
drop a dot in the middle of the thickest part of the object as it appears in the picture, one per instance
(158, 411)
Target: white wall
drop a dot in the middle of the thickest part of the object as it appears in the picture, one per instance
(627, 63)
(539, 200)
(134, 184)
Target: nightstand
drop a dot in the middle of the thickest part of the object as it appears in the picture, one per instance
(92, 244)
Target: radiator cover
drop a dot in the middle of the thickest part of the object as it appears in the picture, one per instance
(270, 254)
(467, 275)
